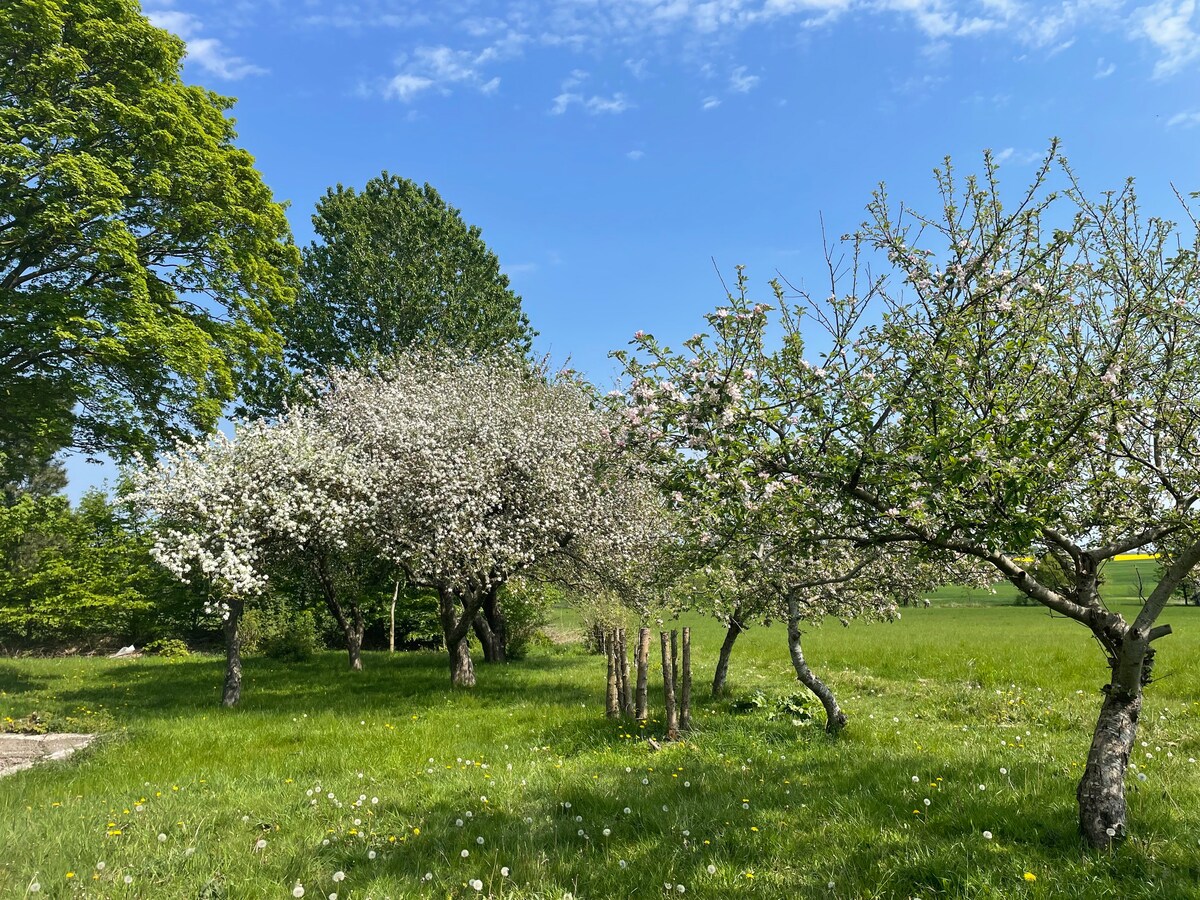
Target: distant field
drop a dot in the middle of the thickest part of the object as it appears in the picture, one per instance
(1122, 579)
(370, 775)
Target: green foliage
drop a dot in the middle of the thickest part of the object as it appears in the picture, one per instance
(526, 606)
(297, 641)
(168, 648)
(143, 258)
(395, 266)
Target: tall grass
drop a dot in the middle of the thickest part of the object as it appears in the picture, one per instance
(985, 713)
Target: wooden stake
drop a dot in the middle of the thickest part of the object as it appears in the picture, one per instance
(685, 692)
(668, 668)
(643, 672)
(610, 653)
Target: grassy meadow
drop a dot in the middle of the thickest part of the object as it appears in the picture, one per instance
(965, 722)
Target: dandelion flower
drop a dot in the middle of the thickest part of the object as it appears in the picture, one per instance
(128, 879)
(1029, 876)
(465, 854)
(712, 870)
(916, 779)
(339, 876)
(476, 883)
(371, 854)
(260, 844)
(504, 871)
(987, 835)
(298, 890)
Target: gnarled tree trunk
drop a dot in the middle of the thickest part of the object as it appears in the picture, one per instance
(455, 627)
(232, 692)
(492, 629)
(1101, 790)
(352, 626)
(721, 675)
(835, 719)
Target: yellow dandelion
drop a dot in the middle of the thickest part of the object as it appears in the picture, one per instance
(1029, 876)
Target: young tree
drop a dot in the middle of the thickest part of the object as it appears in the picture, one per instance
(141, 256)
(1032, 391)
(480, 469)
(394, 266)
(238, 511)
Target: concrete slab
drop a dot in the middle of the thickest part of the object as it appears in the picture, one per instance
(23, 751)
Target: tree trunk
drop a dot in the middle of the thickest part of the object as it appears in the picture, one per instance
(835, 719)
(623, 672)
(232, 693)
(685, 688)
(392, 619)
(731, 635)
(351, 627)
(462, 670)
(498, 624)
(643, 672)
(354, 637)
(1101, 791)
(612, 692)
(455, 627)
(668, 668)
(490, 627)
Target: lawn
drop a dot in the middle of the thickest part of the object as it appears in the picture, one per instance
(963, 721)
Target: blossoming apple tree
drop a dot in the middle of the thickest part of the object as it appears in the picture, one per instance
(1002, 389)
(239, 510)
(481, 468)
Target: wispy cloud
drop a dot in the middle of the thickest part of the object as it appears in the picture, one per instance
(635, 155)
(1168, 26)
(1104, 68)
(710, 103)
(1184, 120)
(594, 105)
(443, 68)
(740, 82)
(209, 53)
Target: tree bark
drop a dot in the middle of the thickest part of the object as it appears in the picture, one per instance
(353, 626)
(455, 627)
(623, 673)
(668, 667)
(685, 688)
(731, 635)
(392, 619)
(611, 693)
(490, 627)
(835, 719)
(1101, 791)
(232, 693)
(643, 672)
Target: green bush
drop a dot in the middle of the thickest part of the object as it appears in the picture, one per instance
(171, 648)
(526, 606)
(296, 641)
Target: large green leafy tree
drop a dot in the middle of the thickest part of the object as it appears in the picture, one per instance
(142, 260)
(394, 266)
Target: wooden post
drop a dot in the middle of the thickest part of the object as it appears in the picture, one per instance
(685, 691)
(668, 668)
(610, 653)
(623, 663)
(643, 667)
(392, 620)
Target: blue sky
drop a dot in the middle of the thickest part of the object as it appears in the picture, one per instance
(611, 149)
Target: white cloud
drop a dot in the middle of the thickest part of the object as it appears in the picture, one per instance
(594, 105)
(710, 103)
(407, 87)
(1104, 68)
(1184, 120)
(1168, 26)
(635, 155)
(443, 68)
(209, 53)
(740, 82)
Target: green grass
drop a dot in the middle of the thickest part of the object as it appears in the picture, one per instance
(1121, 580)
(949, 695)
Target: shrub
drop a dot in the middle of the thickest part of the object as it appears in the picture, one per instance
(171, 648)
(296, 641)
